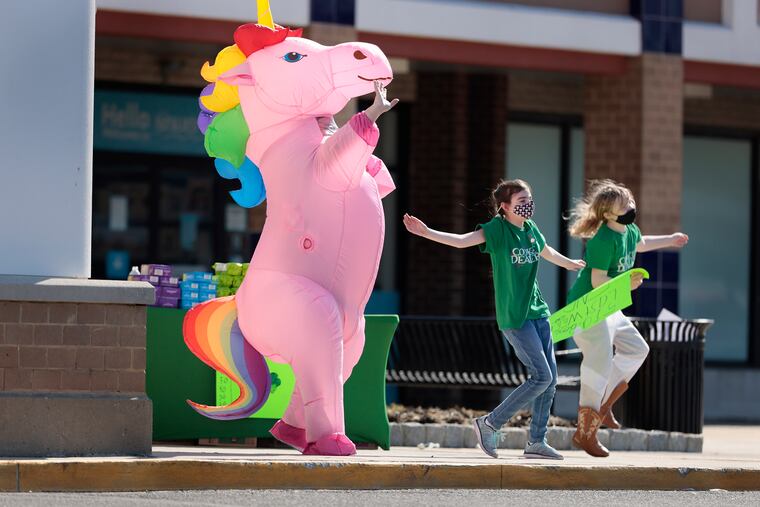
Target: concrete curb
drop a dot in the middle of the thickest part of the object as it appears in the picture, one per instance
(463, 436)
(159, 474)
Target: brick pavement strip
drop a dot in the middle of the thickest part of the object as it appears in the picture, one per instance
(449, 435)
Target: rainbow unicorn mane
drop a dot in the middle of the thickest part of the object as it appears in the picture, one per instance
(212, 334)
(221, 118)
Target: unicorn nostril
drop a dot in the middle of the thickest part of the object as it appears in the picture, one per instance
(359, 55)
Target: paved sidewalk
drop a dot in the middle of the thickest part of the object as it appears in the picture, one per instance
(731, 461)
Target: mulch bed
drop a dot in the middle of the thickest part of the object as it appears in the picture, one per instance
(459, 415)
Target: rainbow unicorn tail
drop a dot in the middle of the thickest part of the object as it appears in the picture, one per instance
(212, 333)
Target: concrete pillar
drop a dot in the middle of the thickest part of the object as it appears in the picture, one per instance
(47, 55)
(72, 367)
(634, 134)
(72, 351)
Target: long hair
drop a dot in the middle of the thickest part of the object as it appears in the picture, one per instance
(588, 213)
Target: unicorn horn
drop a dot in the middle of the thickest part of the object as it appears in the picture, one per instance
(265, 14)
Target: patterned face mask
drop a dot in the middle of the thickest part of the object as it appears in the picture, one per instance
(525, 210)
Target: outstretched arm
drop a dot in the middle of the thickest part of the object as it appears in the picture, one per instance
(342, 158)
(418, 227)
(553, 256)
(649, 243)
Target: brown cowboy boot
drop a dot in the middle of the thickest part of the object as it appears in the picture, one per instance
(589, 421)
(608, 419)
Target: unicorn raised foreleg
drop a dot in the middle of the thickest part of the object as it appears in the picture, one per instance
(302, 301)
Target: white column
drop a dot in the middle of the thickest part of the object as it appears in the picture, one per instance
(47, 62)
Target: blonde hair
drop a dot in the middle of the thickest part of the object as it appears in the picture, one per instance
(588, 214)
(504, 191)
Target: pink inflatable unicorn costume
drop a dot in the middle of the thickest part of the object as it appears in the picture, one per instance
(302, 301)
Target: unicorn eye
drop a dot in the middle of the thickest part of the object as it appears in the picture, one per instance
(293, 57)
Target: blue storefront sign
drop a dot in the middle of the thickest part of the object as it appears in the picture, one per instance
(147, 123)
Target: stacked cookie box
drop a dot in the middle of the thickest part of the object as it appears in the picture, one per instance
(160, 276)
(197, 287)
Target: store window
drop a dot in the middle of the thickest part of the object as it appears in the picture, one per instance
(715, 267)
(533, 154)
(549, 157)
(156, 195)
(163, 209)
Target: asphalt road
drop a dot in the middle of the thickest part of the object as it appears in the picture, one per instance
(385, 498)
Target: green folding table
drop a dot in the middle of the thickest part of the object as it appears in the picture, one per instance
(174, 375)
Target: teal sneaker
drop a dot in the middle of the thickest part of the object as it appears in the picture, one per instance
(488, 437)
(541, 450)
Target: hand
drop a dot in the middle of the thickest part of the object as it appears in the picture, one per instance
(576, 265)
(415, 225)
(381, 104)
(679, 240)
(636, 280)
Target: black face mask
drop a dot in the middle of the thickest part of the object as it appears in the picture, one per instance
(628, 218)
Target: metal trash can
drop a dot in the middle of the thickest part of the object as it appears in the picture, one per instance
(667, 392)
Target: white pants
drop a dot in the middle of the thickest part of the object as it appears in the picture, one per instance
(613, 351)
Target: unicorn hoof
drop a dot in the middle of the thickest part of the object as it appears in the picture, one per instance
(289, 435)
(336, 444)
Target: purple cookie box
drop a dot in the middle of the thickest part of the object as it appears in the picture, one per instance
(153, 280)
(168, 281)
(159, 270)
(168, 292)
(167, 302)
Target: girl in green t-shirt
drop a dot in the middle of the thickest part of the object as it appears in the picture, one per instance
(613, 350)
(515, 244)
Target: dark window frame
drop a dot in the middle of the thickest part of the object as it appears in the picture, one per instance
(753, 316)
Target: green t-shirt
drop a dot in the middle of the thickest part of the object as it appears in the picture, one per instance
(514, 257)
(610, 251)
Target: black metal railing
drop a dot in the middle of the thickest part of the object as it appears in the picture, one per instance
(471, 353)
(467, 352)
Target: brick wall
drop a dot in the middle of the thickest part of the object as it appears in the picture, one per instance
(486, 165)
(546, 92)
(633, 129)
(554, 93)
(152, 62)
(662, 143)
(612, 125)
(734, 108)
(178, 64)
(457, 155)
(72, 347)
(437, 193)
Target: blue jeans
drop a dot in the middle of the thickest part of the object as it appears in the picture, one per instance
(533, 345)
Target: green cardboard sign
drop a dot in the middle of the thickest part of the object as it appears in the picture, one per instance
(283, 383)
(594, 307)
